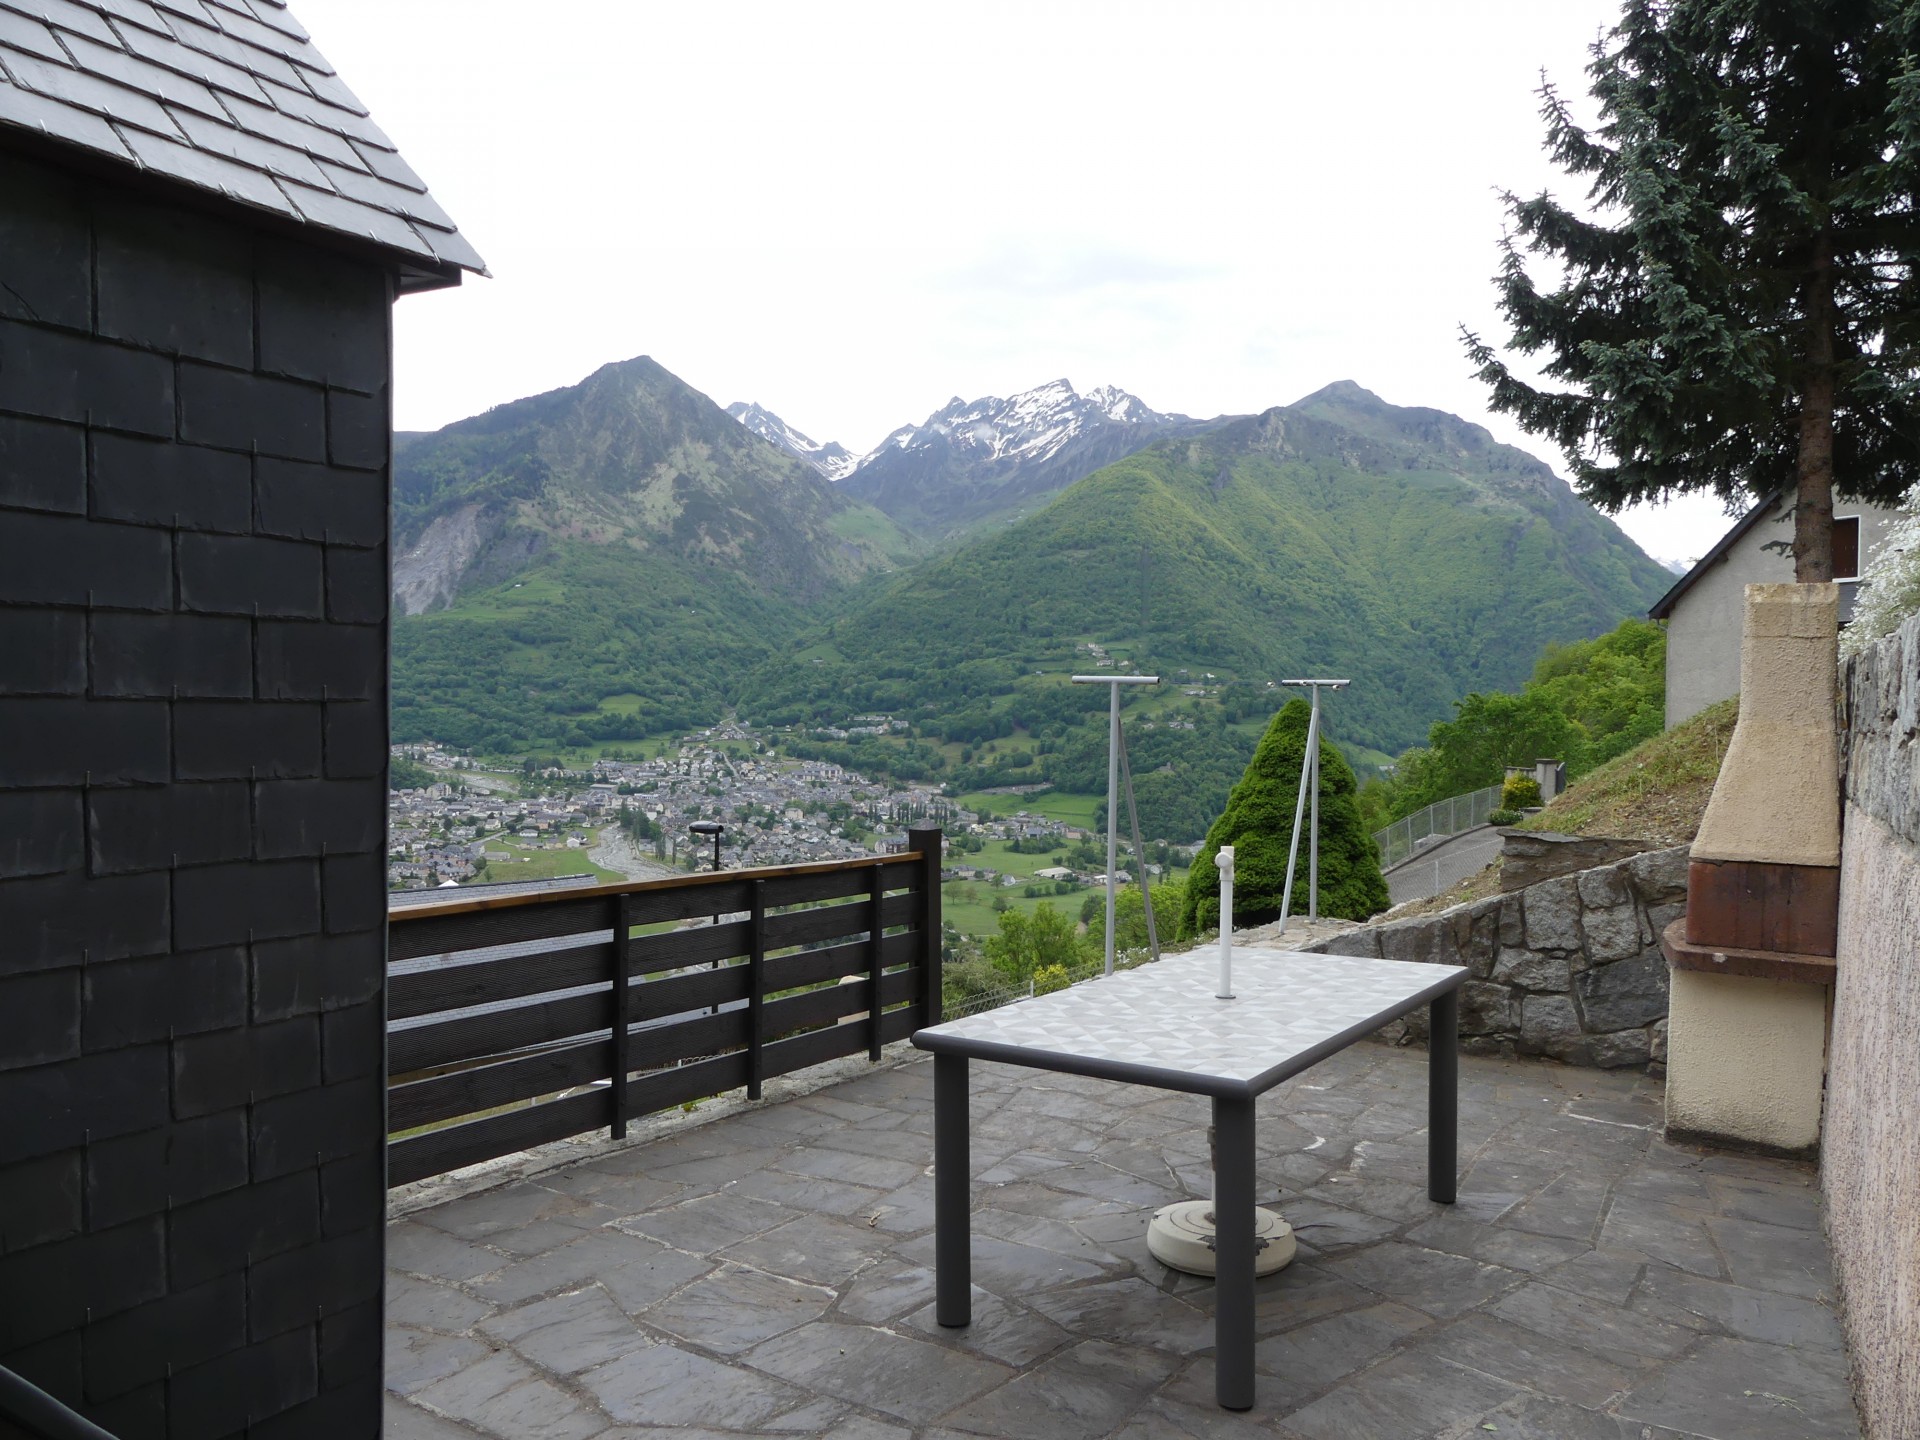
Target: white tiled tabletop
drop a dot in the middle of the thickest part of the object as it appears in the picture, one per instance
(1164, 1016)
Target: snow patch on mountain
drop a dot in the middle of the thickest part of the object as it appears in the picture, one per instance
(1033, 425)
(831, 459)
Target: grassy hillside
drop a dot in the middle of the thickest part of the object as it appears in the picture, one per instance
(1657, 791)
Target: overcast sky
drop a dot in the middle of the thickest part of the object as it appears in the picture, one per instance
(851, 213)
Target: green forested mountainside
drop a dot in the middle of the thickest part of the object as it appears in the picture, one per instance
(1585, 704)
(592, 645)
(1341, 536)
(623, 537)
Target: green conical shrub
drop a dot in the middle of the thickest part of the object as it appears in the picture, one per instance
(1258, 823)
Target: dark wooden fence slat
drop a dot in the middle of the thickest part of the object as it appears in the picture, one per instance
(655, 1000)
(619, 1007)
(664, 1088)
(830, 922)
(687, 1039)
(696, 945)
(757, 988)
(499, 1032)
(876, 962)
(438, 1151)
(466, 1092)
(691, 901)
(816, 1046)
(810, 967)
(927, 846)
(897, 872)
(412, 937)
(837, 1002)
(482, 982)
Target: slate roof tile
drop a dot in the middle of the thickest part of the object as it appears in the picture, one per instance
(60, 121)
(452, 247)
(333, 90)
(68, 16)
(209, 172)
(139, 12)
(272, 12)
(224, 138)
(164, 50)
(388, 165)
(305, 105)
(227, 96)
(372, 190)
(89, 92)
(23, 32)
(243, 28)
(270, 124)
(323, 207)
(114, 64)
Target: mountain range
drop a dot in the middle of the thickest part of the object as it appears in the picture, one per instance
(624, 557)
(987, 461)
(1401, 548)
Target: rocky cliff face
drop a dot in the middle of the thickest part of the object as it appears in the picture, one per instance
(427, 574)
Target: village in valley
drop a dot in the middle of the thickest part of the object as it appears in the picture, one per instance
(457, 820)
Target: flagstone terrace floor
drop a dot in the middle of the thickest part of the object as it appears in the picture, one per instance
(769, 1274)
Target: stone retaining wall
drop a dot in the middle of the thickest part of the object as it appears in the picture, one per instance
(1870, 1148)
(1570, 968)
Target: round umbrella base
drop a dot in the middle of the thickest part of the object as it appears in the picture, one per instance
(1181, 1238)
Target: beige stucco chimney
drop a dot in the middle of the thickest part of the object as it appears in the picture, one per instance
(1752, 961)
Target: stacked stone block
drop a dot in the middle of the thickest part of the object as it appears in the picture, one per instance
(194, 440)
(1569, 968)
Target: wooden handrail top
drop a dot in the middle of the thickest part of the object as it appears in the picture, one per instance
(441, 909)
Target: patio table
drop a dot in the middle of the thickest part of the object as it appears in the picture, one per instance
(1162, 1025)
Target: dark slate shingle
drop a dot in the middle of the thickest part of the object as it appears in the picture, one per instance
(227, 96)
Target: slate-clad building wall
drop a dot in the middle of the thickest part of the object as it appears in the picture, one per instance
(194, 442)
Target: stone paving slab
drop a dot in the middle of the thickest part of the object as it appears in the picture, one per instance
(769, 1275)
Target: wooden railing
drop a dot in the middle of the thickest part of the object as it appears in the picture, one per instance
(521, 1019)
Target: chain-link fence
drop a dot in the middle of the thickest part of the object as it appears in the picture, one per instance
(1447, 866)
(1404, 838)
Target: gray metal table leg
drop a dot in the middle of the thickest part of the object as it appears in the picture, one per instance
(1443, 1097)
(1233, 1253)
(952, 1244)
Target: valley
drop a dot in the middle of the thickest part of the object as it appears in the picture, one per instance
(586, 572)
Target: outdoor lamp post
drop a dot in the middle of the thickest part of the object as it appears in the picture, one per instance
(1113, 684)
(713, 828)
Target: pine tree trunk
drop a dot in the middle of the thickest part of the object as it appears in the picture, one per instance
(1813, 507)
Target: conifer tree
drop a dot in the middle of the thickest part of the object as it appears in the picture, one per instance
(1258, 823)
(1741, 312)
